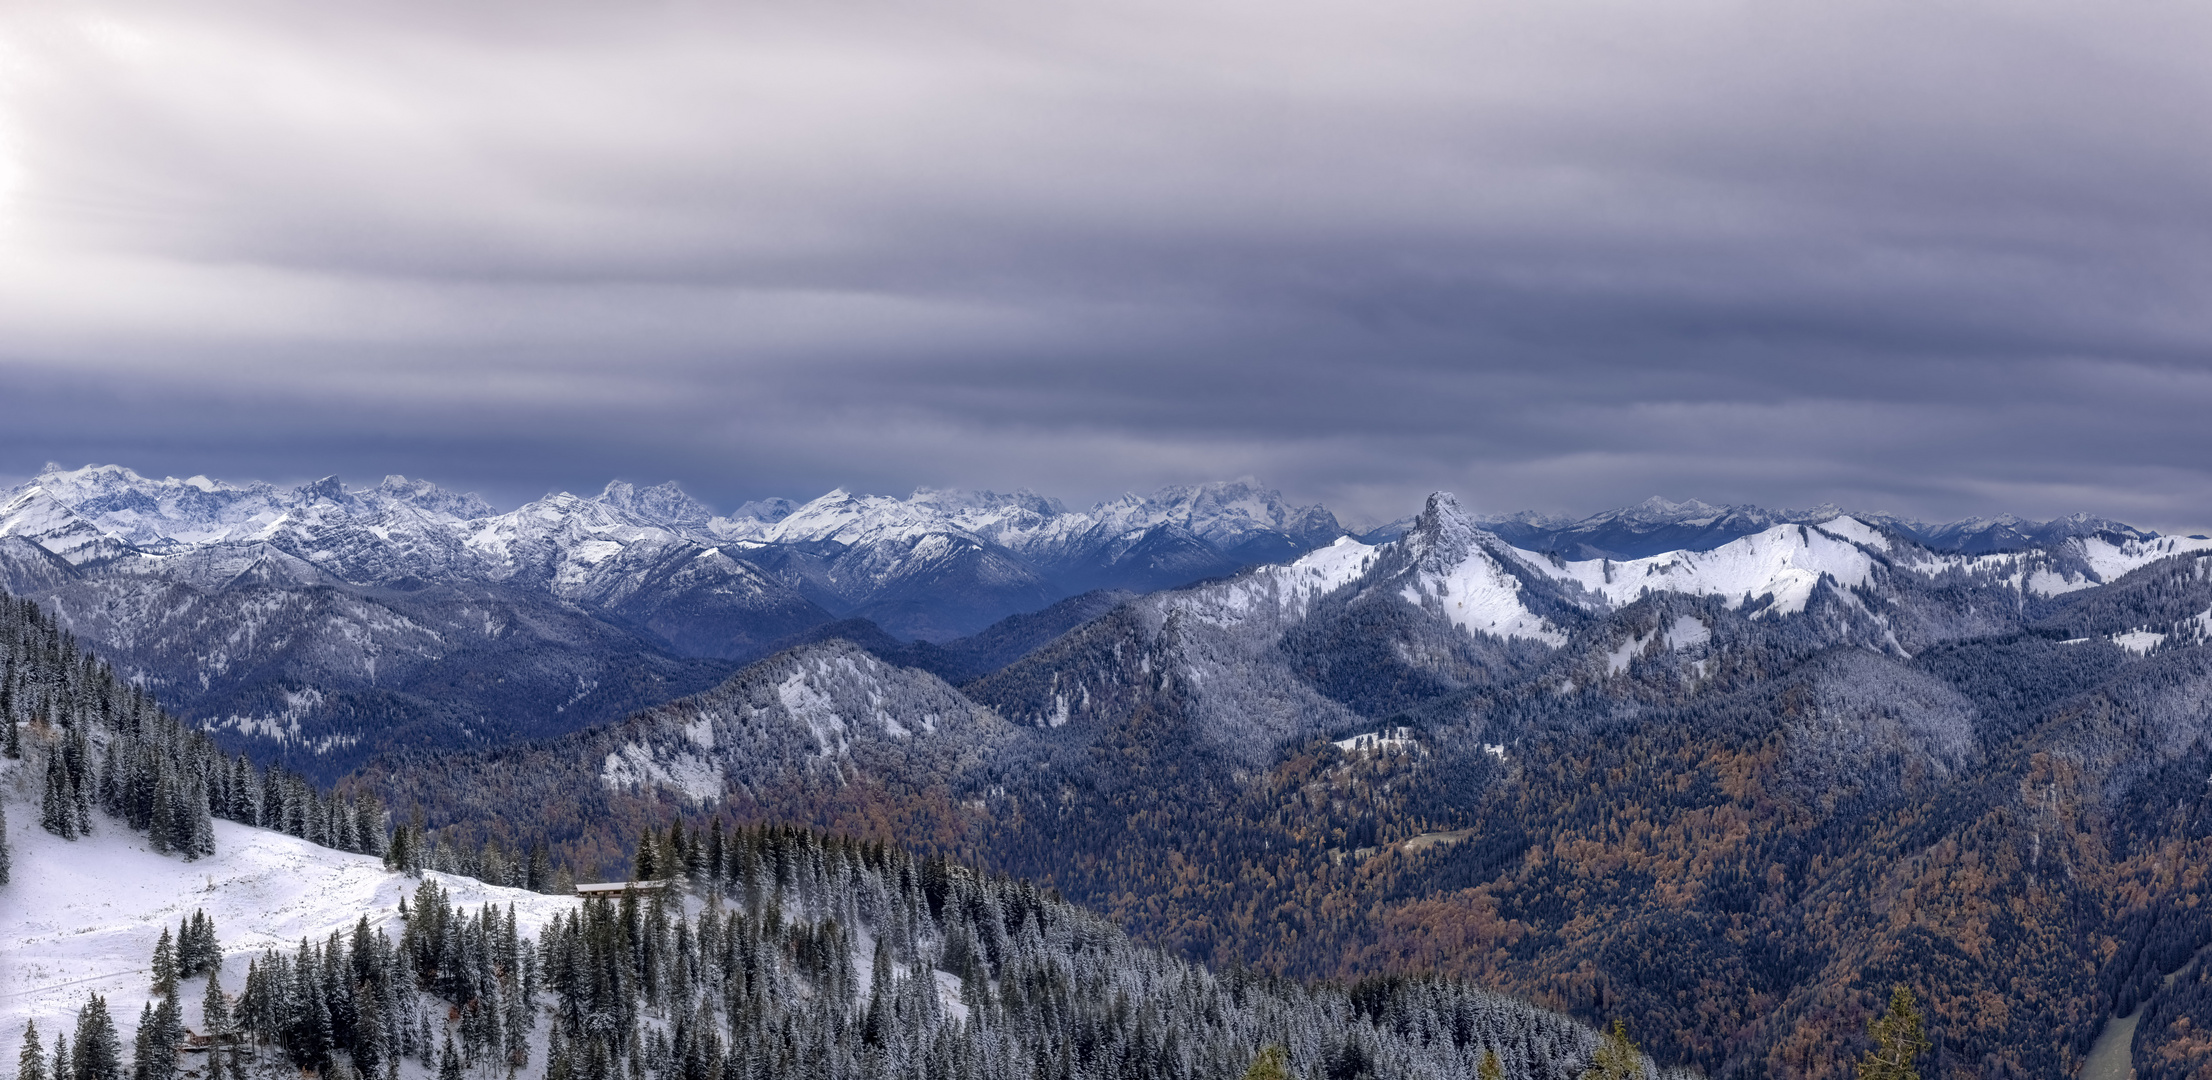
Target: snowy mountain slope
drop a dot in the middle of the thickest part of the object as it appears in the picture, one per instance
(81, 917)
(329, 616)
(1459, 570)
(36, 515)
(975, 556)
(1785, 561)
(814, 712)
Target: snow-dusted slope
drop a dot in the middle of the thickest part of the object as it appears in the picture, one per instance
(82, 916)
(34, 514)
(1786, 562)
(1459, 570)
(827, 707)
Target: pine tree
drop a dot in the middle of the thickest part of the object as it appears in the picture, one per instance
(1898, 1040)
(197, 948)
(164, 828)
(142, 1050)
(1490, 1069)
(7, 857)
(99, 1053)
(57, 804)
(160, 1031)
(31, 1063)
(368, 1036)
(557, 1063)
(214, 1008)
(1616, 1057)
(449, 1063)
(165, 965)
(539, 877)
(65, 1066)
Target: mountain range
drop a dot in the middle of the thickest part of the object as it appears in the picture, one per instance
(325, 623)
(332, 620)
(1730, 792)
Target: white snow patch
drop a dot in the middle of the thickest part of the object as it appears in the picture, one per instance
(701, 731)
(813, 708)
(2048, 582)
(1480, 595)
(1687, 632)
(2111, 561)
(1787, 561)
(696, 776)
(1856, 531)
(2139, 642)
(948, 994)
(1617, 660)
(1375, 741)
(81, 917)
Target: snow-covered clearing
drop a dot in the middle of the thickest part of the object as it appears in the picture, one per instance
(82, 917)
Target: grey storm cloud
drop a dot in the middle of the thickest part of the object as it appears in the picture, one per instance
(1929, 258)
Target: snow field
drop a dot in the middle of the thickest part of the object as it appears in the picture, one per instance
(81, 917)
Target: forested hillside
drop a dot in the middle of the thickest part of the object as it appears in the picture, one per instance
(96, 741)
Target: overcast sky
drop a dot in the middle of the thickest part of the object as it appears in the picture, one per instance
(1932, 258)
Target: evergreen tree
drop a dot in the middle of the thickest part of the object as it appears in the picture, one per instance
(57, 804)
(197, 948)
(214, 1007)
(1898, 1040)
(65, 1066)
(160, 1031)
(30, 1064)
(1490, 1069)
(7, 857)
(99, 1050)
(557, 1063)
(165, 965)
(449, 1063)
(142, 1048)
(1616, 1058)
(539, 877)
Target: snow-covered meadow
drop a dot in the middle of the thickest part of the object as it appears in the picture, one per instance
(81, 917)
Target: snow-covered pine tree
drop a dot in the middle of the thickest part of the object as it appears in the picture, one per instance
(57, 803)
(99, 1051)
(12, 747)
(214, 1006)
(30, 1062)
(164, 964)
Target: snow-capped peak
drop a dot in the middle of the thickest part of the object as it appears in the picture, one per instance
(1455, 572)
(36, 515)
(661, 504)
